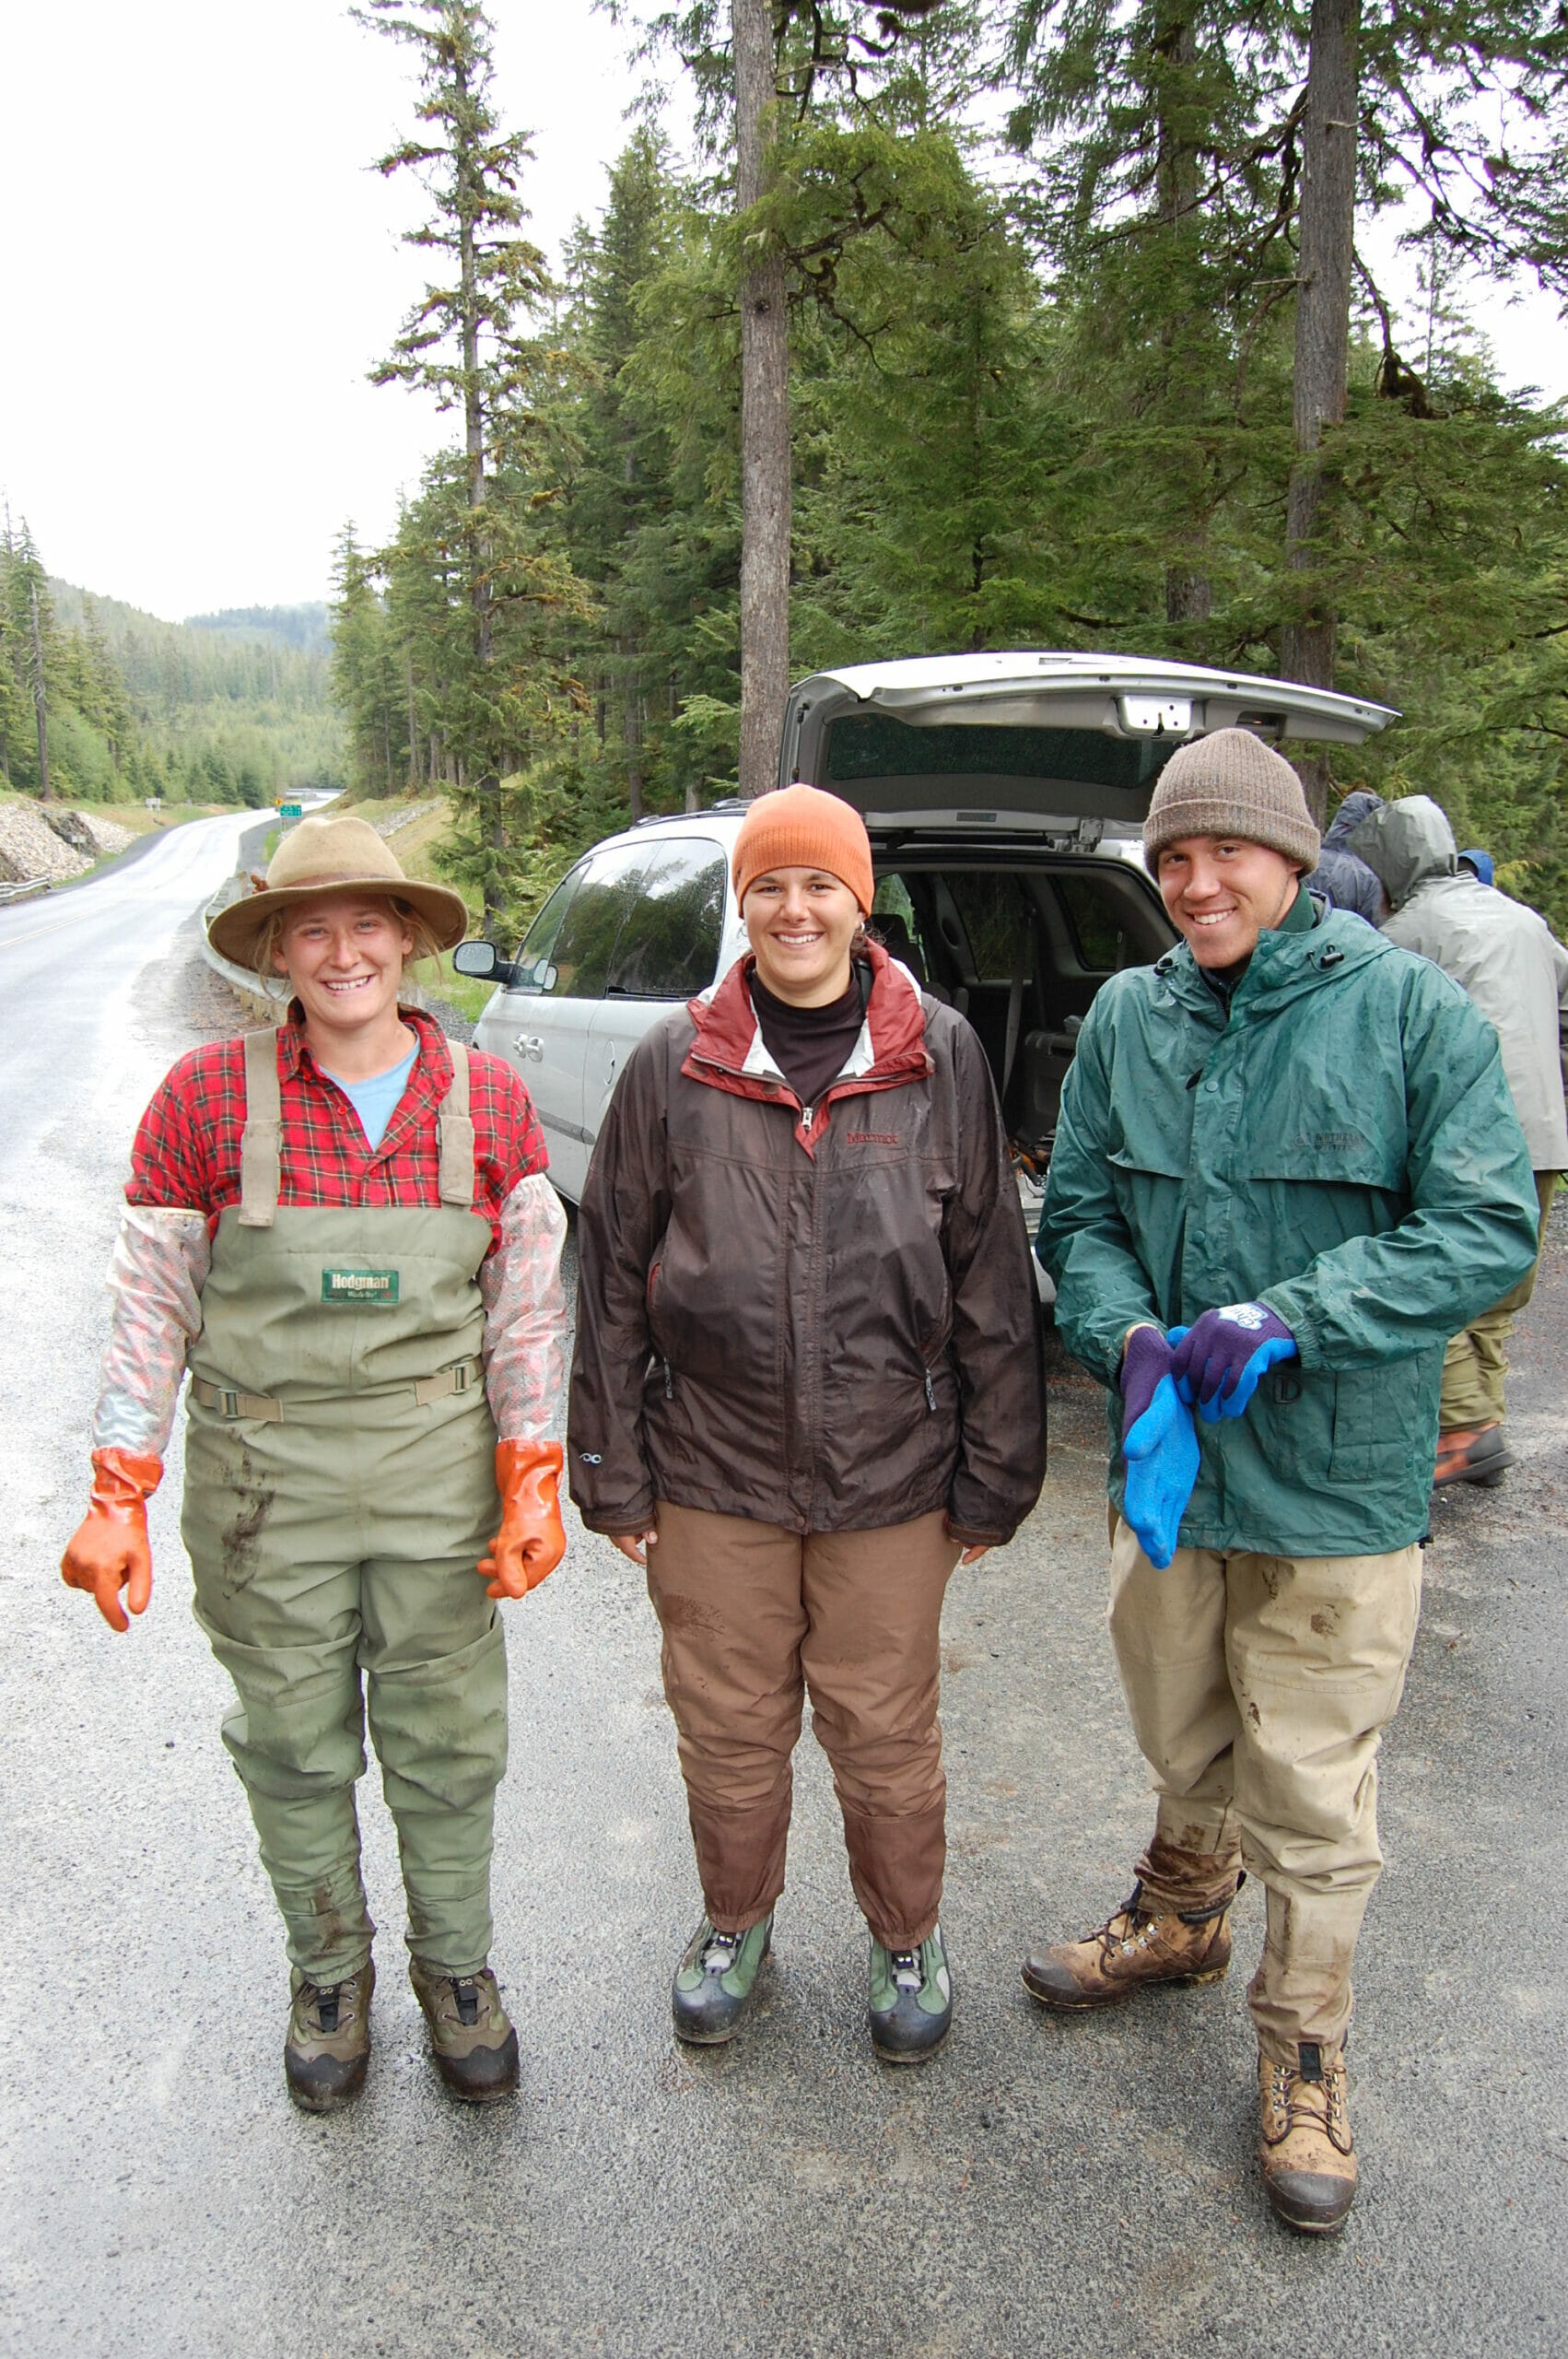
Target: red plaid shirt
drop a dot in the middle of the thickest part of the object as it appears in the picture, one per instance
(187, 1144)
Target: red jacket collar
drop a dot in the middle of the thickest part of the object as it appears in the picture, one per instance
(727, 1027)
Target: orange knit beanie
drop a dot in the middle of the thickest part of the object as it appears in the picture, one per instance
(799, 827)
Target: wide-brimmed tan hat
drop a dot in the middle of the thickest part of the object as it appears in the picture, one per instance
(323, 856)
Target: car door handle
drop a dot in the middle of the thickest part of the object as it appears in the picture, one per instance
(530, 1044)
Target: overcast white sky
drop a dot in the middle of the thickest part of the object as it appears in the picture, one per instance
(201, 268)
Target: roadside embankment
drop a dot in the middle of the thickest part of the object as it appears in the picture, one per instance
(50, 843)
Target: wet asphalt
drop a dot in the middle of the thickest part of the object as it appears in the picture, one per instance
(1042, 2188)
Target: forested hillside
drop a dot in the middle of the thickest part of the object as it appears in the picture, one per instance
(1045, 393)
(225, 709)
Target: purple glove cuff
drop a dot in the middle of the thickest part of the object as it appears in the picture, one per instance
(1145, 1359)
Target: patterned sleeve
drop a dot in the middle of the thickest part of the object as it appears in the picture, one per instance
(525, 1314)
(161, 1260)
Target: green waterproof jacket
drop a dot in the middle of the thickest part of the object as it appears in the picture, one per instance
(1341, 1146)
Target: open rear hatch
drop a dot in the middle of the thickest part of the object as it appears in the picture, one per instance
(1058, 744)
(984, 780)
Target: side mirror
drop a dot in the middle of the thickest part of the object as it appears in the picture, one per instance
(478, 961)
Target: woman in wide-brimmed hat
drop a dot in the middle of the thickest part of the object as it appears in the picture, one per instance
(346, 1233)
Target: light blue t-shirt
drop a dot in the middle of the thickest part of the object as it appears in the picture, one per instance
(375, 1102)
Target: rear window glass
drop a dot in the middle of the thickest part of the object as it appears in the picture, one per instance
(995, 917)
(868, 745)
(1097, 914)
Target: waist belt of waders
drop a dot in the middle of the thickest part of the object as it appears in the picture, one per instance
(231, 1404)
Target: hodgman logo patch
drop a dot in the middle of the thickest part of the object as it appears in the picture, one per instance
(367, 1289)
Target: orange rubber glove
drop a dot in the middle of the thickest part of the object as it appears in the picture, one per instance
(531, 1540)
(110, 1550)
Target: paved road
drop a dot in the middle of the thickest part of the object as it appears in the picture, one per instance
(1041, 2188)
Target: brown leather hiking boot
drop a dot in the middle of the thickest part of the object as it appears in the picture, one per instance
(327, 2046)
(1133, 1952)
(1304, 2142)
(1472, 1454)
(472, 2038)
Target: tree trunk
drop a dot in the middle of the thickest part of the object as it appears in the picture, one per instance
(764, 425)
(493, 836)
(39, 698)
(1322, 343)
(631, 734)
(1188, 595)
(470, 189)
(413, 724)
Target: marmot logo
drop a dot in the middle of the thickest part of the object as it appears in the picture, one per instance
(870, 1138)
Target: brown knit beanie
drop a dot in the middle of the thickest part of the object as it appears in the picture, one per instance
(1230, 783)
(799, 827)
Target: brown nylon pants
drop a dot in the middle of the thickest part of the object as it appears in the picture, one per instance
(1260, 1688)
(753, 1616)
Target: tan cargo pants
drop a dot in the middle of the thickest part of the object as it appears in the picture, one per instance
(1259, 1687)
(1476, 1364)
(753, 1616)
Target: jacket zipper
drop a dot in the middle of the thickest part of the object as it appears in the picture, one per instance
(669, 1382)
(931, 1393)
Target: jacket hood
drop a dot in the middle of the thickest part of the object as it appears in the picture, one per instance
(1355, 807)
(1404, 844)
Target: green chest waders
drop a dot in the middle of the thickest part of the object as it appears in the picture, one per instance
(339, 1492)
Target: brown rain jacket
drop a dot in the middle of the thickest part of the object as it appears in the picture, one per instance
(830, 1327)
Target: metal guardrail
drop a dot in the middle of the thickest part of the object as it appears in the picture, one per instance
(26, 884)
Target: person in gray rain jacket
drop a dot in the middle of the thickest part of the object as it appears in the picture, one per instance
(807, 1380)
(1517, 971)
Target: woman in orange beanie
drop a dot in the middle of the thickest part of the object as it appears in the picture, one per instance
(806, 1383)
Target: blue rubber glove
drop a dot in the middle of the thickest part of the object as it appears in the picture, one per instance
(1161, 1456)
(1218, 1360)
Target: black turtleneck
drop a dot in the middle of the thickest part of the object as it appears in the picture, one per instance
(811, 1046)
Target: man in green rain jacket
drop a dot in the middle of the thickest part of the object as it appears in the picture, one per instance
(1287, 1168)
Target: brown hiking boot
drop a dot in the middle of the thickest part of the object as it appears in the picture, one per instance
(1133, 1952)
(472, 2038)
(1472, 1454)
(327, 2047)
(1304, 2144)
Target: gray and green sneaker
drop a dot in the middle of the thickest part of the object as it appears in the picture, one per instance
(910, 2009)
(716, 1981)
(472, 2037)
(327, 2046)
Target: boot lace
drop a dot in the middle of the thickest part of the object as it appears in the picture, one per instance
(321, 2001)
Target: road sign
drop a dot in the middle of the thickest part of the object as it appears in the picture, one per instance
(291, 810)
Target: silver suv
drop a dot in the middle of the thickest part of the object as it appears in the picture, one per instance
(1005, 798)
